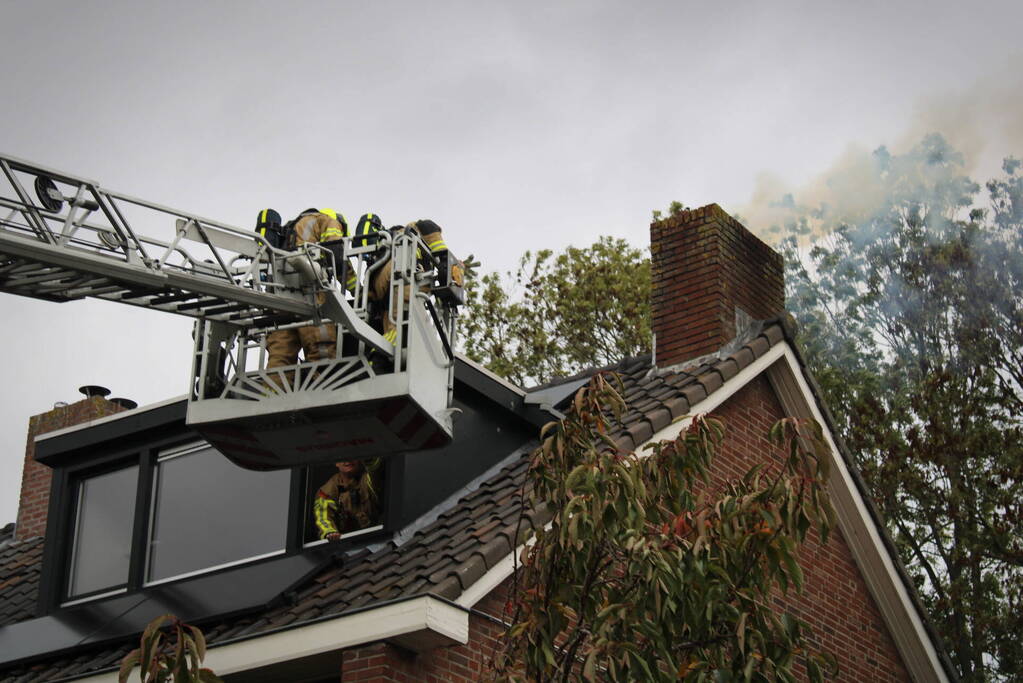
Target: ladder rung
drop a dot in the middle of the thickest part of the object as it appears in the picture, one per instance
(171, 298)
(229, 308)
(25, 268)
(54, 275)
(202, 303)
(101, 292)
(78, 287)
(272, 320)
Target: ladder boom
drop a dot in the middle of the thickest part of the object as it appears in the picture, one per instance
(357, 397)
(75, 239)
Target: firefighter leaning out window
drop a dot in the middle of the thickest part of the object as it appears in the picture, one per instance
(348, 501)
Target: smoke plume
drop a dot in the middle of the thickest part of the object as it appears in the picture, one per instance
(983, 122)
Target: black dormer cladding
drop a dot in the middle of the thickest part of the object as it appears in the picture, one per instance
(494, 422)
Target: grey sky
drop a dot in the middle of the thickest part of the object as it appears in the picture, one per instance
(515, 125)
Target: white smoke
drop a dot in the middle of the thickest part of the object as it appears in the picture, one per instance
(983, 122)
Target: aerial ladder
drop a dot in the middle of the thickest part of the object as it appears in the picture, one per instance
(64, 238)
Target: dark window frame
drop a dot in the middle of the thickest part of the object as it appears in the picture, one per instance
(73, 509)
(144, 450)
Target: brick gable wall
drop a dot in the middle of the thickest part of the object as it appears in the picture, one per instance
(835, 600)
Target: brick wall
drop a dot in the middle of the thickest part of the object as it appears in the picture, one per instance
(35, 478)
(835, 600)
(384, 663)
(705, 264)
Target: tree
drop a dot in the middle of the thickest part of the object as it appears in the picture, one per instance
(163, 662)
(675, 208)
(909, 304)
(565, 312)
(644, 573)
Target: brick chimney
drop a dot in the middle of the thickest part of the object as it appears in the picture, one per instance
(35, 478)
(708, 272)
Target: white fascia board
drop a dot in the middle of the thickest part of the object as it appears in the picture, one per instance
(497, 379)
(854, 520)
(406, 620)
(489, 581)
(861, 533)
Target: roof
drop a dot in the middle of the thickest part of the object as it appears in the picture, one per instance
(447, 551)
(20, 563)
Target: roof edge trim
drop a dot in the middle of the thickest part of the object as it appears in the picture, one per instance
(490, 374)
(418, 623)
(860, 529)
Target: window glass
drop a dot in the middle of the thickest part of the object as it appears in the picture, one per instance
(208, 512)
(101, 547)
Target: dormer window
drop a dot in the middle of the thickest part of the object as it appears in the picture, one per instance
(162, 510)
(101, 542)
(208, 513)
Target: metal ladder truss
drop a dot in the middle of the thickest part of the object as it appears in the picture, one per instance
(64, 238)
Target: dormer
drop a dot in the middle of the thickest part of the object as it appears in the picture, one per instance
(144, 517)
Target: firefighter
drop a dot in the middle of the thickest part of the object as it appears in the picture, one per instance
(268, 225)
(317, 341)
(346, 502)
(430, 233)
(368, 225)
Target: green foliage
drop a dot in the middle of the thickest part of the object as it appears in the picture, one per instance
(674, 209)
(574, 310)
(161, 660)
(909, 304)
(645, 573)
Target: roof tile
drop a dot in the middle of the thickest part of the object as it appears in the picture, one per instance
(640, 432)
(711, 382)
(659, 419)
(727, 369)
(774, 333)
(694, 394)
(743, 357)
(471, 571)
(677, 406)
(759, 346)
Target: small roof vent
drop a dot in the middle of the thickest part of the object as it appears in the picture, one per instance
(91, 390)
(125, 403)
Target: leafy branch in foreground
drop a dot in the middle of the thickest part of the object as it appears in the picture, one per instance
(159, 659)
(647, 573)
